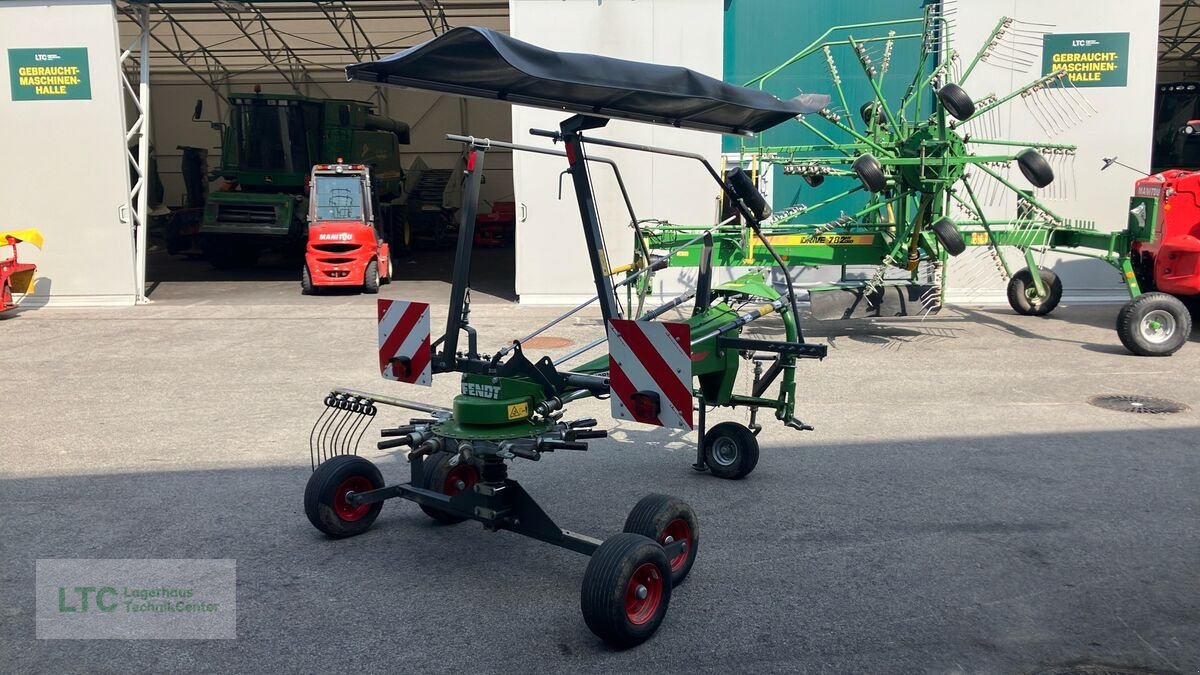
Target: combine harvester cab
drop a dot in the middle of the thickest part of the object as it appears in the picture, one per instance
(344, 245)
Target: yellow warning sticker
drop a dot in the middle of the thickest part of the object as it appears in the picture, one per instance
(822, 239)
(979, 238)
(518, 411)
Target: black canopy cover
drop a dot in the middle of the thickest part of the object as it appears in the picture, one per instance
(481, 63)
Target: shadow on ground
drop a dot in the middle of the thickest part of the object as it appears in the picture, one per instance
(985, 554)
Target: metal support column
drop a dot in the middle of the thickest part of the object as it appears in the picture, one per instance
(139, 133)
(460, 286)
(573, 140)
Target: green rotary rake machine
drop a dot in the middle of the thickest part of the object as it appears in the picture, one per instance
(917, 176)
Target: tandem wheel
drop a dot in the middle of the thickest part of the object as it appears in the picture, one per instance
(439, 476)
(730, 450)
(667, 519)
(325, 496)
(626, 589)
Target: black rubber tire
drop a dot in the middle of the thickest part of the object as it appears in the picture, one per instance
(869, 171)
(1021, 285)
(956, 102)
(322, 493)
(814, 180)
(606, 583)
(947, 233)
(1035, 168)
(306, 284)
(371, 277)
(723, 438)
(865, 112)
(660, 517)
(1135, 319)
(436, 474)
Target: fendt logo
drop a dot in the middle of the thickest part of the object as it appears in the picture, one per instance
(338, 236)
(481, 390)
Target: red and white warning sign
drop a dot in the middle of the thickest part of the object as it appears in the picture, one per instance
(650, 372)
(404, 351)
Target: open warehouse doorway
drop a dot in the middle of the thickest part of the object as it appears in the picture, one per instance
(244, 98)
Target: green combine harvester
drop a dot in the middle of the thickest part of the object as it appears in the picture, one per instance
(268, 146)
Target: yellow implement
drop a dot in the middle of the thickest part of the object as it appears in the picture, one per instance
(28, 235)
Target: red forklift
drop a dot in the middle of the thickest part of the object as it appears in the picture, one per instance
(345, 248)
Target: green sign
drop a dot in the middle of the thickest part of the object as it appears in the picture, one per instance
(53, 73)
(1089, 59)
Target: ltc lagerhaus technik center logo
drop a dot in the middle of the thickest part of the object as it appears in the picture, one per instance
(132, 599)
(111, 599)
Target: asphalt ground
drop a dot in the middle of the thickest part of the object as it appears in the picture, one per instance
(959, 508)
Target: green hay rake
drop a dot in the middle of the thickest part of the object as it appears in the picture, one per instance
(923, 167)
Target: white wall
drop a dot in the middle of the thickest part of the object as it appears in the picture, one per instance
(1122, 127)
(64, 170)
(551, 260)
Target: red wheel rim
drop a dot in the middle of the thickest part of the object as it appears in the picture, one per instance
(678, 530)
(460, 478)
(344, 509)
(643, 594)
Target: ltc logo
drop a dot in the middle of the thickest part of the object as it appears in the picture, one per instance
(77, 600)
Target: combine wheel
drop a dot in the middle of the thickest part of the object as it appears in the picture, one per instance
(666, 519)
(956, 102)
(626, 589)
(868, 170)
(1154, 324)
(1022, 293)
(439, 476)
(947, 233)
(730, 450)
(325, 496)
(1035, 168)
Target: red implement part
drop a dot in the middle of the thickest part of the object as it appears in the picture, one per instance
(338, 252)
(1175, 250)
(498, 227)
(15, 276)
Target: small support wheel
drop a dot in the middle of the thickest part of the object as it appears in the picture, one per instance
(626, 589)
(870, 173)
(730, 450)
(306, 284)
(371, 277)
(667, 519)
(1154, 324)
(1023, 297)
(325, 496)
(947, 233)
(439, 476)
